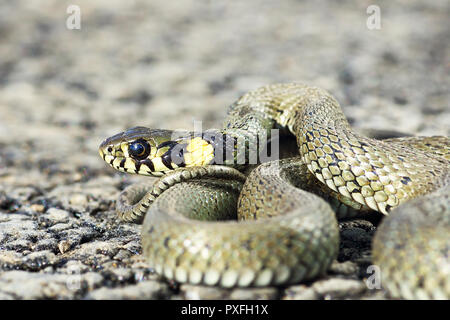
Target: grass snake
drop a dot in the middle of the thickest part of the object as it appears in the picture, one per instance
(287, 208)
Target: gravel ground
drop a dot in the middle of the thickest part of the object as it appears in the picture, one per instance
(164, 64)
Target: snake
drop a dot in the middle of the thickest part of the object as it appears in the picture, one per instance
(227, 212)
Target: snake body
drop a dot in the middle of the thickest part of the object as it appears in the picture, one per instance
(295, 236)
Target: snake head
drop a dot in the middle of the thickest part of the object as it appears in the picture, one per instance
(154, 152)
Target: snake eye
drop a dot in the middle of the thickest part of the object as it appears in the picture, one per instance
(139, 149)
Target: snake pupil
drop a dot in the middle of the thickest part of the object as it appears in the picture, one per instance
(139, 149)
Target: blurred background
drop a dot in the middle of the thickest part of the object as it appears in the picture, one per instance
(164, 64)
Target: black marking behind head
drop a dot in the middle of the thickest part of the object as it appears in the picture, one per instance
(175, 155)
(223, 145)
(167, 160)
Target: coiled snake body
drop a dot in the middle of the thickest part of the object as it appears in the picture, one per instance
(295, 236)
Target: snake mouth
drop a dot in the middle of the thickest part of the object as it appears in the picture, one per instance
(129, 165)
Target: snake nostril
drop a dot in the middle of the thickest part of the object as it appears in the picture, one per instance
(110, 149)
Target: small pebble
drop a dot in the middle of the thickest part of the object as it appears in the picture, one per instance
(64, 246)
(37, 208)
(78, 200)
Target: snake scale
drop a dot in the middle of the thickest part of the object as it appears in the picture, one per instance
(290, 234)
